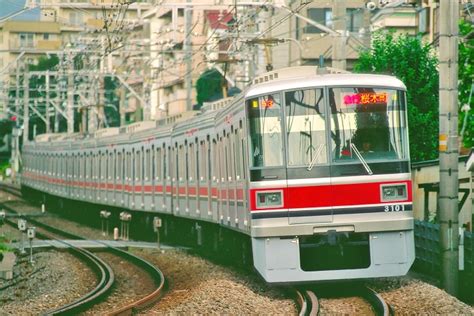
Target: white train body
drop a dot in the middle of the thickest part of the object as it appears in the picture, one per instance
(314, 168)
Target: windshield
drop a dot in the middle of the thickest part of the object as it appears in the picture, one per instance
(367, 124)
(306, 127)
(265, 131)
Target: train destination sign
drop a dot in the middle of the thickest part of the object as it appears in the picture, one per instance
(364, 98)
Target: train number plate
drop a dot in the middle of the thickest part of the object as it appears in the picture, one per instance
(394, 208)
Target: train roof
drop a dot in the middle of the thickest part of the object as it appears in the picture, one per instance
(311, 76)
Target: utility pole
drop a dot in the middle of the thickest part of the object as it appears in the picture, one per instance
(448, 142)
(188, 57)
(70, 92)
(339, 38)
(48, 125)
(26, 105)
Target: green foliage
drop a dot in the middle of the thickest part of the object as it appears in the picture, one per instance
(45, 63)
(466, 81)
(3, 246)
(414, 63)
(209, 86)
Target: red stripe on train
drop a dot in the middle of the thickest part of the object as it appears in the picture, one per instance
(330, 195)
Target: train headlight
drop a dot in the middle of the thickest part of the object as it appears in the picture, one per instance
(393, 192)
(269, 199)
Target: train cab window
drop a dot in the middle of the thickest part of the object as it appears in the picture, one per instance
(305, 128)
(368, 124)
(265, 131)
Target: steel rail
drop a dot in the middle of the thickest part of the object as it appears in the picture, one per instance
(156, 274)
(101, 269)
(381, 308)
(308, 303)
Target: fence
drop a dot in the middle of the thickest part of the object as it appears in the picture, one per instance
(428, 256)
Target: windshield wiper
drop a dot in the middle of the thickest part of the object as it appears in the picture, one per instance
(362, 160)
(313, 162)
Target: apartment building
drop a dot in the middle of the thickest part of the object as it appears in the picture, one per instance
(177, 48)
(22, 43)
(416, 18)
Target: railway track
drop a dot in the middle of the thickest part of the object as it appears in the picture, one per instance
(103, 271)
(309, 303)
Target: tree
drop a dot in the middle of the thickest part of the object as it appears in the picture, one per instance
(466, 83)
(415, 64)
(209, 86)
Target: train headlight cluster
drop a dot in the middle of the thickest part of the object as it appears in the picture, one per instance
(269, 199)
(393, 192)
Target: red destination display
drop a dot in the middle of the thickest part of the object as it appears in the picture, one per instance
(365, 98)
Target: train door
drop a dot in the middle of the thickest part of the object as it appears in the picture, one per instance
(167, 156)
(231, 178)
(309, 193)
(182, 179)
(222, 209)
(203, 170)
(266, 152)
(159, 185)
(214, 180)
(192, 192)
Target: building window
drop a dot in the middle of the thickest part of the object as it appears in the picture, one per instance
(46, 36)
(76, 18)
(355, 19)
(319, 15)
(26, 40)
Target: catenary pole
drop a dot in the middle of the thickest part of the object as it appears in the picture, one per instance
(448, 142)
(188, 57)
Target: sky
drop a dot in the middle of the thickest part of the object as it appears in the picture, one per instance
(8, 7)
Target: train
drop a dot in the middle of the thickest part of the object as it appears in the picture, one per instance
(309, 165)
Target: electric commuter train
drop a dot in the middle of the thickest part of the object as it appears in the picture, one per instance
(310, 165)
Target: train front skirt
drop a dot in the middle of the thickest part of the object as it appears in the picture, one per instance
(334, 256)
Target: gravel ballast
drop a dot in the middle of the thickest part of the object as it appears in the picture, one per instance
(55, 279)
(197, 286)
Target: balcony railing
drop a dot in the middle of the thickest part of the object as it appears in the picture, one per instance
(16, 44)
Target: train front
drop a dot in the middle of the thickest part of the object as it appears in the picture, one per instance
(330, 189)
